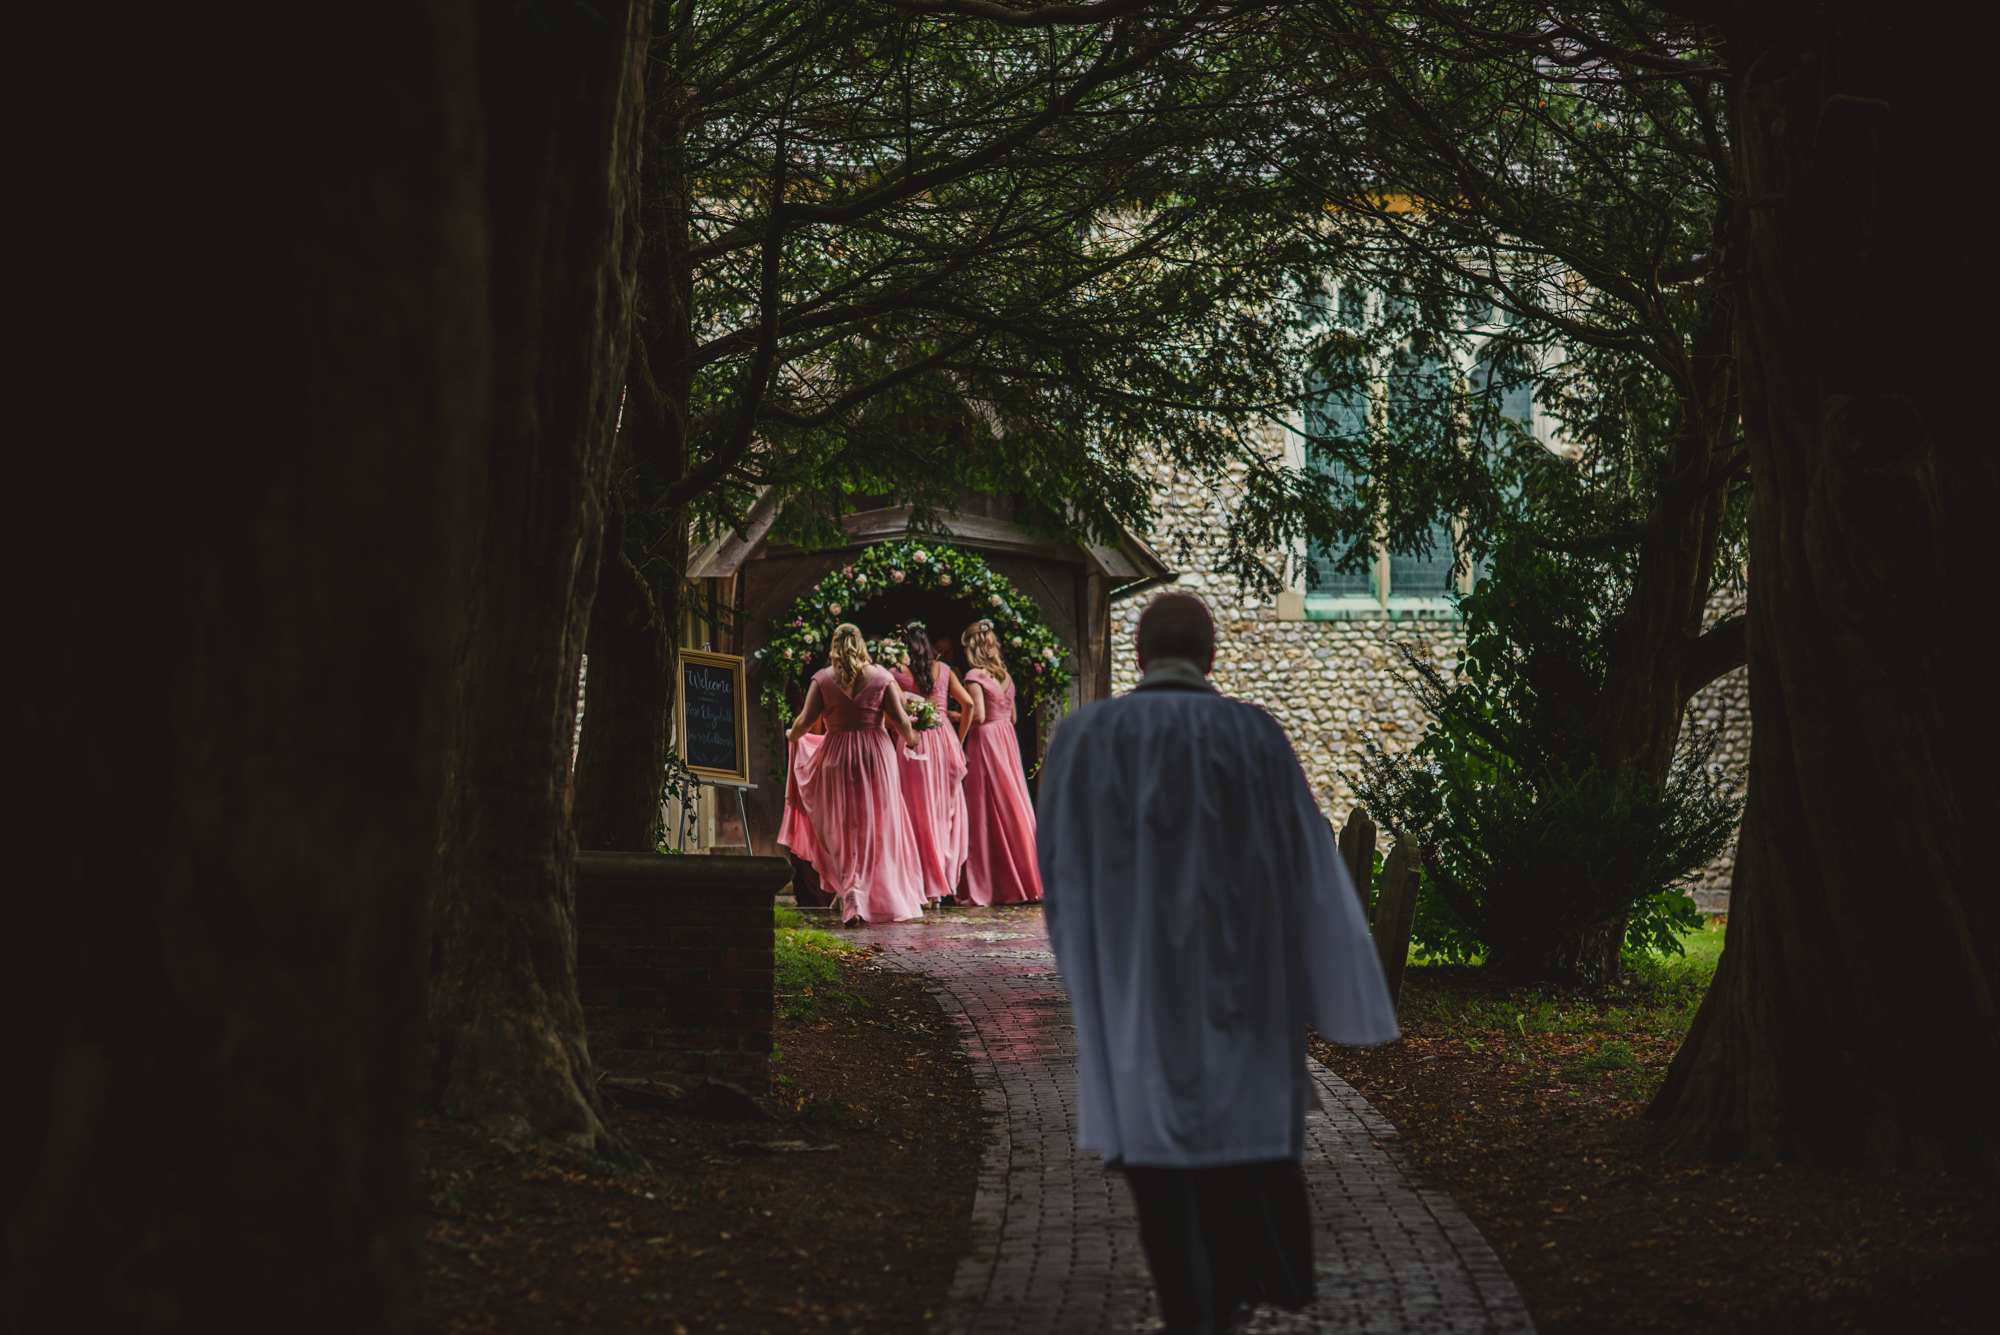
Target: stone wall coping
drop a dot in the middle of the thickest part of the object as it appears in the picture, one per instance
(683, 872)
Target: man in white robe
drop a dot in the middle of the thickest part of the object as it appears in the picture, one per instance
(1201, 916)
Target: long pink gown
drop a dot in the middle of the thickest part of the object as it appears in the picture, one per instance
(934, 792)
(844, 807)
(1000, 821)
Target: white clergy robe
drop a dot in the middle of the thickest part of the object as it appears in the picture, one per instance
(1200, 916)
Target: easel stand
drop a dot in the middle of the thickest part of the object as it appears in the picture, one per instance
(742, 813)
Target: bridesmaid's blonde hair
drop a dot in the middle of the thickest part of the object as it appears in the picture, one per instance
(982, 646)
(849, 655)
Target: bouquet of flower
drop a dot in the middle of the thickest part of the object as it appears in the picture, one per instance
(923, 714)
(891, 653)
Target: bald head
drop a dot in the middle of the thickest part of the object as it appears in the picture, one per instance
(1177, 625)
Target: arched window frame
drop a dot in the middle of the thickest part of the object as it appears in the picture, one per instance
(1392, 590)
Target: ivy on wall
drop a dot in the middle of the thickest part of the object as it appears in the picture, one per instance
(799, 635)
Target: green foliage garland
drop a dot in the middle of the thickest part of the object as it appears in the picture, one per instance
(797, 647)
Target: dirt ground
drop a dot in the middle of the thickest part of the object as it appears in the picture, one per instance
(847, 1213)
(1550, 1156)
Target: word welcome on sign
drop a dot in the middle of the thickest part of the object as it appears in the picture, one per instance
(712, 724)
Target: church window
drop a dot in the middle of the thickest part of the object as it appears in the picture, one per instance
(1336, 426)
(1417, 394)
(1353, 305)
(1420, 408)
(1502, 388)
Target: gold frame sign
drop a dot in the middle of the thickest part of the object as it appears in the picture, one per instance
(714, 684)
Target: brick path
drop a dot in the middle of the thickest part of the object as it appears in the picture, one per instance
(1055, 1245)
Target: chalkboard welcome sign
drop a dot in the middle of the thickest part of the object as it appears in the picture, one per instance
(713, 724)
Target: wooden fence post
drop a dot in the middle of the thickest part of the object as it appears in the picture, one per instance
(1357, 850)
(1395, 913)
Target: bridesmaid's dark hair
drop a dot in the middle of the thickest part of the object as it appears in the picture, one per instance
(922, 656)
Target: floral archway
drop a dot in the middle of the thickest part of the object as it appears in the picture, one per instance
(799, 635)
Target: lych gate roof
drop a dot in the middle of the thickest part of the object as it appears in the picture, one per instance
(1126, 560)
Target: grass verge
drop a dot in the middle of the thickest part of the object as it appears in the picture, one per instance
(1610, 1042)
(809, 961)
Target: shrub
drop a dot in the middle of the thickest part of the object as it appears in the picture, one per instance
(1535, 846)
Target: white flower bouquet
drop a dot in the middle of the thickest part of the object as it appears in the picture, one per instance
(923, 714)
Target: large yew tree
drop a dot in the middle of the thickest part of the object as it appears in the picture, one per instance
(1854, 1015)
(560, 88)
(251, 265)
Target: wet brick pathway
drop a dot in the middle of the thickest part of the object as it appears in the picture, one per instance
(1055, 1245)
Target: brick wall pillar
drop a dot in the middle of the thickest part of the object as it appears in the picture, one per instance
(674, 963)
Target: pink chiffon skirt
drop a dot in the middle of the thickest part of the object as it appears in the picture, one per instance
(934, 793)
(844, 813)
(1000, 820)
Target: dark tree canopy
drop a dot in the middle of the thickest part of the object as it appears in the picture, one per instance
(924, 251)
(890, 256)
(1537, 191)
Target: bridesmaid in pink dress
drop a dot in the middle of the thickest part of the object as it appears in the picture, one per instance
(845, 801)
(1000, 865)
(795, 831)
(934, 782)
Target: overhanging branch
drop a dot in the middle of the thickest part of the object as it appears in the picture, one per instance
(1723, 648)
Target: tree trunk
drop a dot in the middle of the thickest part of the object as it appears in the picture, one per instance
(1656, 654)
(238, 538)
(626, 726)
(561, 87)
(624, 749)
(1853, 1017)
(1656, 659)
(1589, 955)
(1651, 668)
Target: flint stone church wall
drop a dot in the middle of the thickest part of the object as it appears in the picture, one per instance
(1722, 706)
(1335, 686)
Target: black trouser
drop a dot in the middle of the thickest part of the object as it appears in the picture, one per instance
(1219, 1237)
